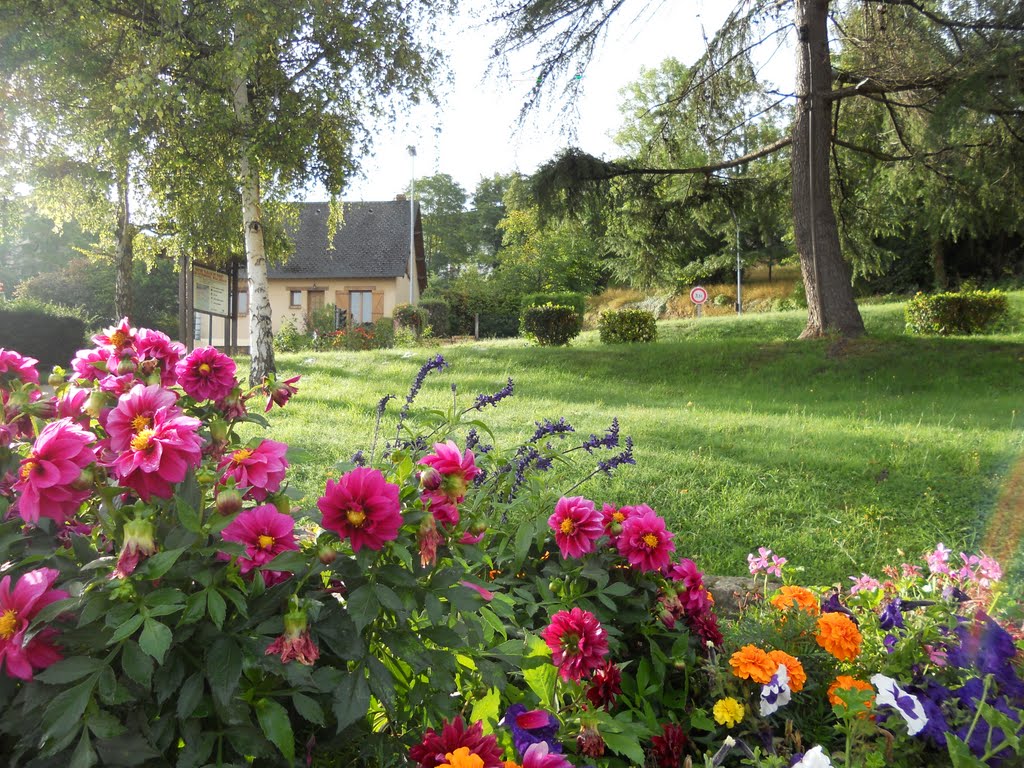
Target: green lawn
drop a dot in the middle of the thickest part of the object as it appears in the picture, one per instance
(838, 456)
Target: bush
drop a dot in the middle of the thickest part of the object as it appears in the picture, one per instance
(412, 317)
(627, 325)
(438, 315)
(572, 299)
(956, 313)
(289, 338)
(49, 333)
(800, 295)
(552, 324)
(497, 302)
(724, 300)
(384, 333)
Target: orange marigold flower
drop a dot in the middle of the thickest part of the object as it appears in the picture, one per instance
(751, 663)
(511, 764)
(802, 598)
(847, 683)
(797, 676)
(838, 635)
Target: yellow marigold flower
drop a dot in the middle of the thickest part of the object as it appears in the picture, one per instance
(751, 663)
(797, 676)
(838, 635)
(802, 598)
(462, 758)
(728, 712)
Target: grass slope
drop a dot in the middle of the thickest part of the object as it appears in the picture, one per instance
(840, 456)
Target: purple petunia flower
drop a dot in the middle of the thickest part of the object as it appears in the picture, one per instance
(531, 727)
(891, 616)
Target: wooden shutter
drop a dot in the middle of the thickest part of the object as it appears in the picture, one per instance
(378, 305)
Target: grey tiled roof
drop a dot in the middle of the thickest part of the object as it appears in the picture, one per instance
(373, 241)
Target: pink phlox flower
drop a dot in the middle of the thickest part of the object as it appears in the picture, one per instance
(988, 571)
(261, 469)
(156, 348)
(457, 469)
(776, 566)
(645, 541)
(207, 374)
(363, 507)
(444, 510)
(279, 392)
(758, 564)
(864, 583)
(909, 571)
(116, 337)
(938, 560)
(539, 755)
(937, 656)
(160, 454)
(90, 364)
(46, 478)
(265, 532)
(577, 641)
(16, 367)
(32, 592)
(577, 526)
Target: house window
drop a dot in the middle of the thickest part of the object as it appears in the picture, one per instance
(294, 299)
(243, 303)
(360, 304)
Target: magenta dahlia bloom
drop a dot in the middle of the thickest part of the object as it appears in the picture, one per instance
(261, 469)
(117, 337)
(444, 510)
(645, 541)
(457, 469)
(433, 750)
(71, 405)
(138, 545)
(578, 643)
(156, 350)
(539, 755)
(295, 644)
(17, 367)
(207, 374)
(577, 525)
(135, 411)
(90, 364)
(362, 506)
(18, 607)
(46, 478)
(279, 392)
(265, 532)
(159, 454)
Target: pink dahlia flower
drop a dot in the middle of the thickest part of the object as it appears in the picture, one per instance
(207, 374)
(159, 454)
(117, 337)
(539, 755)
(577, 525)
(17, 367)
(18, 607)
(72, 404)
(295, 644)
(444, 510)
(645, 541)
(90, 364)
(457, 469)
(46, 478)
(138, 545)
(362, 506)
(261, 469)
(613, 518)
(135, 411)
(156, 350)
(279, 392)
(435, 747)
(578, 643)
(265, 532)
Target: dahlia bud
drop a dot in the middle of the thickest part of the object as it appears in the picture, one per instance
(56, 378)
(97, 402)
(206, 476)
(477, 528)
(138, 545)
(326, 554)
(430, 479)
(229, 501)
(615, 529)
(86, 479)
(219, 430)
(126, 365)
(281, 502)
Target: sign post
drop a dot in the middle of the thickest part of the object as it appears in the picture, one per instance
(211, 296)
(698, 296)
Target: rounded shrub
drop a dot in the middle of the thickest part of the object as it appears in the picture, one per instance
(438, 316)
(552, 324)
(964, 313)
(627, 325)
(412, 317)
(574, 299)
(384, 333)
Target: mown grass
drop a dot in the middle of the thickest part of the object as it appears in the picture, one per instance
(842, 456)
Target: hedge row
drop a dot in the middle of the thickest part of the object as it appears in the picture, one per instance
(39, 332)
(962, 313)
(627, 325)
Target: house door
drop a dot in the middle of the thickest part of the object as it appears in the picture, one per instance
(316, 302)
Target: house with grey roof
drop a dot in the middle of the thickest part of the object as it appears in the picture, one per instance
(364, 270)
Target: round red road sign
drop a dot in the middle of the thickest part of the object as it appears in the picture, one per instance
(698, 295)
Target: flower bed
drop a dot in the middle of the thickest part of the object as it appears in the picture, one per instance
(446, 602)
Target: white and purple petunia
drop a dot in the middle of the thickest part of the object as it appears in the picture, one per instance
(814, 757)
(907, 704)
(776, 693)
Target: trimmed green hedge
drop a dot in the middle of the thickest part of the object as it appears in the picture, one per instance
(627, 325)
(438, 315)
(963, 313)
(50, 334)
(573, 299)
(552, 324)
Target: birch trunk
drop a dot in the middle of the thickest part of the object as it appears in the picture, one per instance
(261, 347)
(827, 277)
(123, 253)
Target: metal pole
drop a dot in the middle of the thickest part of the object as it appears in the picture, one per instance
(412, 221)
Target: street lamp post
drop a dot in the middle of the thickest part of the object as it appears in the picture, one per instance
(412, 220)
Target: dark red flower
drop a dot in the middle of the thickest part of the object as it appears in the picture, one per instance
(668, 748)
(605, 685)
(434, 748)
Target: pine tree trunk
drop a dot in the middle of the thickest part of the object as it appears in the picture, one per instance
(123, 252)
(261, 347)
(827, 277)
(939, 264)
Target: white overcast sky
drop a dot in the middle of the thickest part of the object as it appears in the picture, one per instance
(474, 133)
